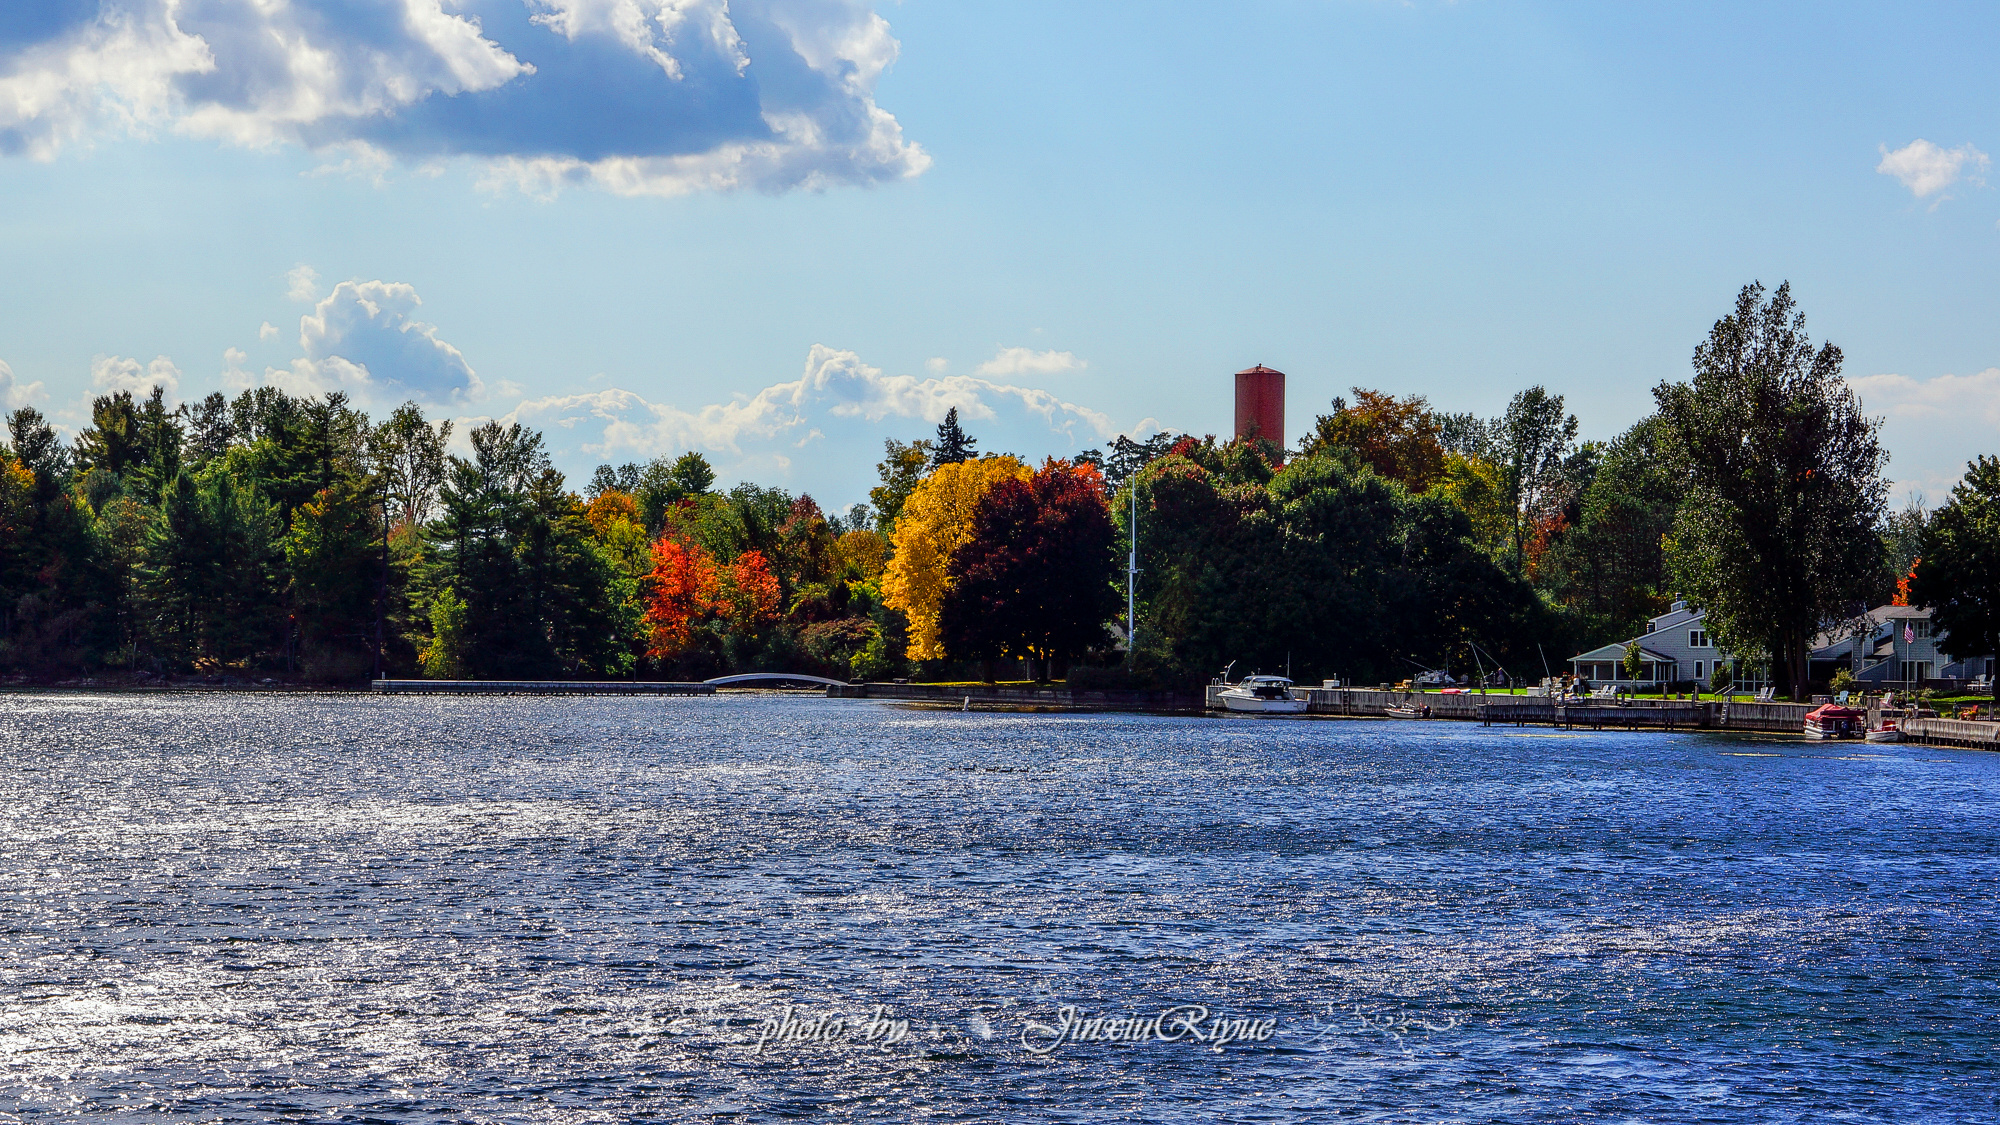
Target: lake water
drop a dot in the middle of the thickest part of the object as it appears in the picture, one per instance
(256, 908)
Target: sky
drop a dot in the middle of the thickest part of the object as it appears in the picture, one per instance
(781, 231)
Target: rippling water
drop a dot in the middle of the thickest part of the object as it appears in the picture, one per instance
(260, 908)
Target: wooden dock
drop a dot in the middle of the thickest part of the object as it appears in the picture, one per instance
(1969, 734)
(542, 687)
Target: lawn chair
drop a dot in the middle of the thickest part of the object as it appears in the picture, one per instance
(1765, 696)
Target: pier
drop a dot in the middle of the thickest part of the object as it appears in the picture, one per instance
(541, 687)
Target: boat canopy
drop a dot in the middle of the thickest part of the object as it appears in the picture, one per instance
(1834, 711)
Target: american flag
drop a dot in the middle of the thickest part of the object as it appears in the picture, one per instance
(1909, 635)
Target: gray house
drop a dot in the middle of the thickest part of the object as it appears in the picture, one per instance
(1892, 644)
(1676, 647)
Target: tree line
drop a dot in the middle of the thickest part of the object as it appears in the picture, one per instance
(272, 534)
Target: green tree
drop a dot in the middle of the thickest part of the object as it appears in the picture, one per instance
(207, 572)
(1776, 534)
(333, 553)
(692, 472)
(1609, 570)
(901, 467)
(1532, 439)
(1960, 573)
(407, 453)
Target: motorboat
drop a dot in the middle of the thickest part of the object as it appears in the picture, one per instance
(1266, 695)
(1408, 709)
(1887, 732)
(1831, 721)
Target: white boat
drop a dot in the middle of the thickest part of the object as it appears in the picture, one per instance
(1887, 732)
(1267, 695)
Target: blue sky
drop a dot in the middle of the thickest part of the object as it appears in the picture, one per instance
(780, 231)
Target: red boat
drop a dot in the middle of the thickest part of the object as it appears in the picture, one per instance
(1832, 721)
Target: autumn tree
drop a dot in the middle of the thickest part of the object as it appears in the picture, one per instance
(1398, 438)
(1776, 534)
(683, 588)
(935, 520)
(1034, 577)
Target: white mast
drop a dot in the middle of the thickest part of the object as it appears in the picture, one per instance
(1132, 585)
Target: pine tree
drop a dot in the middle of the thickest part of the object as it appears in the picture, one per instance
(954, 445)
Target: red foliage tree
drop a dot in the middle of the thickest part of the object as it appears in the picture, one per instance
(1035, 579)
(752, 597)
(683, 585)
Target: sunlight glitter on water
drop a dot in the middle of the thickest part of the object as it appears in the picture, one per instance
(259, 908)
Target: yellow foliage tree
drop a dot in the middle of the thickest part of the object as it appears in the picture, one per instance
(936, 519)
(1476, 487)
(864, 550)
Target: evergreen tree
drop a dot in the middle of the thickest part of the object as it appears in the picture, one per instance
(954, 446)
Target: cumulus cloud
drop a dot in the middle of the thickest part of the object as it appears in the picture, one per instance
(15, 394)
(302, 283)
(1944, 397)
(267, 331)
(1926, 169)
(110, 374)
(660, 97)
(836, 385)
(364, 339)
(838, 400)
(1027, 361)
(1935, 425)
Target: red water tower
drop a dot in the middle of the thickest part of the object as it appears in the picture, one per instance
(1260, 404)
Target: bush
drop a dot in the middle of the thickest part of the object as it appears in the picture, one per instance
(1719, 681)
(1843, 680)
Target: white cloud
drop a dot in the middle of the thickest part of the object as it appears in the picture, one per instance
(267, 331)
(302, 284)
(838, 406)
(1926, 169)
(1944, 397)
(655, 97)
(15, 394)
(937, 365)
(1027, 361)
(236, 377)
(111, 374)
(362, 338)
(1934, 426)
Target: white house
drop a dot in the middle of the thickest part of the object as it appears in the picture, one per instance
(1676, 647)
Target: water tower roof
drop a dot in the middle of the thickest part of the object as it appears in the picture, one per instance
(1260, 369)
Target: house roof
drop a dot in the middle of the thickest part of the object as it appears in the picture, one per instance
(1617, 652)
(1843, 634)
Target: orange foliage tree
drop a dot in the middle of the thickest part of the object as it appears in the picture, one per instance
(1398, 438)
(683, 588)
(750, 598)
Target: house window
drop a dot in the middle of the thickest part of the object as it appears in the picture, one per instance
(1921, 627)
(1697, 671)
(1697, 638)
(1649, 626)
